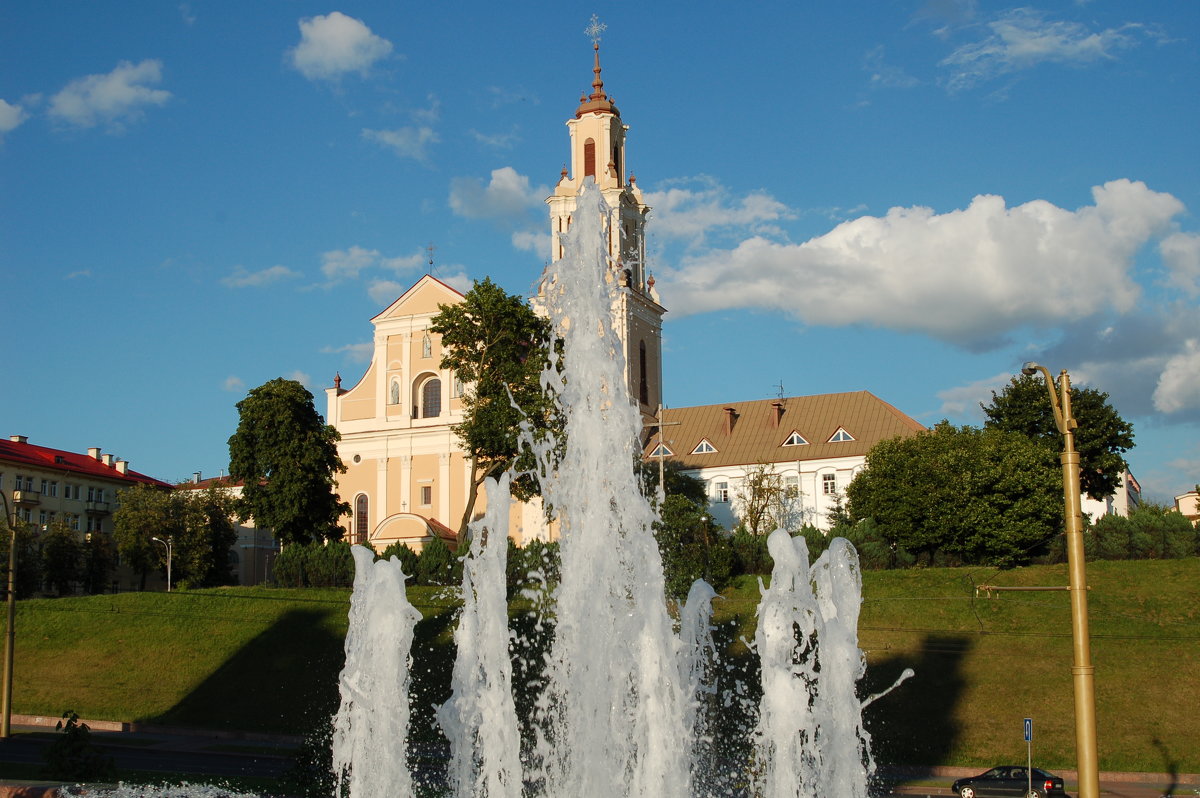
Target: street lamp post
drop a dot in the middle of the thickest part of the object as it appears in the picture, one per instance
(1081, 669)
(166, 544)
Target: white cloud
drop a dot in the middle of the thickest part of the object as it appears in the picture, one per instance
(243, 279)
(459, 281)
(508, 195)
(11, 116)
(530, 241)
(1023, 38)
(964, 400)
(333, 45)
(79, 273)
(234, 384)
(348, 264)
(407, 142)
(885, 75)
(1181, 253)
(968, 276)
(700, 205)
(114, 98)
(303, 378)
(360, 352)
(341, 264)
(384, 292)
(1179, 385)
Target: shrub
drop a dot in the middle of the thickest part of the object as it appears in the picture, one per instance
(750, 553)
(403, 552)
(437, 565)
(315, 565)
(73, 756)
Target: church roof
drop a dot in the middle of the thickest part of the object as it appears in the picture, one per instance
(597, 101)
(779, 430)
(422, 297)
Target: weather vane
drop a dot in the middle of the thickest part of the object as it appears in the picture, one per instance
(593, 30)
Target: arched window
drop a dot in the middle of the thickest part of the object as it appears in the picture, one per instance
(431, 398)
(394, 394)
(643, 385)
(589, 158)
(361, 530)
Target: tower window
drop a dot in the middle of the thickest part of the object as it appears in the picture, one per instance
(643, 385)
(589, 158)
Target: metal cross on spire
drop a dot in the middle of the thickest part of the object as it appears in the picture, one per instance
(594, 29)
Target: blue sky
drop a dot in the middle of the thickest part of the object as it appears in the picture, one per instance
(908, 197)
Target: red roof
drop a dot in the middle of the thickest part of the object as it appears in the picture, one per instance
(29, 454)
(211, 482)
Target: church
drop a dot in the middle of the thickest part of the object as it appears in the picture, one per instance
(407, 479)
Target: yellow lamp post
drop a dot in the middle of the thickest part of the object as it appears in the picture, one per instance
(1081, 669)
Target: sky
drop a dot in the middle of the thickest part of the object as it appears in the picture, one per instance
(909, 197)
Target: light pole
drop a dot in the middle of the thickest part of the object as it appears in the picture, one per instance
(1081, 669)
(167, 544)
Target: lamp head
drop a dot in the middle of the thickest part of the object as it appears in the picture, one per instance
(1029, 369)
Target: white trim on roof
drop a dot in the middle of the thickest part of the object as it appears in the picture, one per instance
(704, 447)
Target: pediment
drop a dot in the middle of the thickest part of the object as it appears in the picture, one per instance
(422, 298)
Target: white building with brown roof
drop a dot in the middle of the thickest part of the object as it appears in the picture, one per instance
(816, 444)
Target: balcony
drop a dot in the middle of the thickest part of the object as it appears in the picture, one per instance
(96, 508)
(27, 498)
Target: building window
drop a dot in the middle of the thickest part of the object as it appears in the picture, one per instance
(70, 491)
(431, 398)
(361, 528)
(795, 439)
(73, 521)
(53, 489)
(95, 494)
(662, 450)
(95, 524)
(829, 484)
(43, 517)
(426, 495)
(704, 447)
(791, 486)
(841, 436)
(721, 491)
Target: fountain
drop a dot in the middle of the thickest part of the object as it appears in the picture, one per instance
(626, 702)
(620, 710)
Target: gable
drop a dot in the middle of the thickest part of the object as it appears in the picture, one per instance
(422, 298)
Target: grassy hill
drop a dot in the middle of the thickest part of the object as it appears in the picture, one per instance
(258, 659)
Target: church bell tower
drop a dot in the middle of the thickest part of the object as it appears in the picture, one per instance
(598, 152)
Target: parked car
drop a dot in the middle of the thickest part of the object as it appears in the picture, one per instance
(1010, 780)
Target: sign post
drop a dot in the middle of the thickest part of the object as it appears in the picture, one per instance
(1029, 754)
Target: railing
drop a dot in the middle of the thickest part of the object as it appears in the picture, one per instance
(29, 497)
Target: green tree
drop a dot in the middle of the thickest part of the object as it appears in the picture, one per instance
(62, 558)
(979, 496)
(497, 346)
(677, 482)
(692, 547)
(286, 457)
(1101, 438)
(99, 561)
(201, 552)
(29, 560)
(145, 512)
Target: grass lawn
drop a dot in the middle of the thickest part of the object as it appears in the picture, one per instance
(262, 659)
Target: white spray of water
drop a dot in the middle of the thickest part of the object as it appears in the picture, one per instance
(370, 730)
(612, 718)
(480, 719)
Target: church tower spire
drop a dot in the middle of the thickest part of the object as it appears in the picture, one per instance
(598, 153)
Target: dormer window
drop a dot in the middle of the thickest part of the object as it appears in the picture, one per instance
(841, 436)
(662, 450)
(795, 439)
(704, 447)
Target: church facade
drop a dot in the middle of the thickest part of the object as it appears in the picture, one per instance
(407, 477)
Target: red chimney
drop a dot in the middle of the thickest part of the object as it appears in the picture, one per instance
(730, 418)
(777, 413)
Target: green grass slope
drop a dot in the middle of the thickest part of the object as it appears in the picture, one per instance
(257, 659)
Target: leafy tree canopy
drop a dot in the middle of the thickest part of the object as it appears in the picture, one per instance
(286, 456)
(676, 481)
(980, 496)
(1101, 438)
(497, 346)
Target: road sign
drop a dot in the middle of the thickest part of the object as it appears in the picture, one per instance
(1028, 729)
